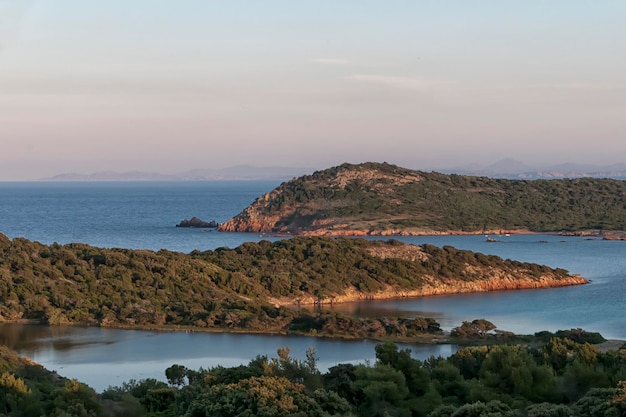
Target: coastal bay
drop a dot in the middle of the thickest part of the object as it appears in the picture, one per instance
(142, 215)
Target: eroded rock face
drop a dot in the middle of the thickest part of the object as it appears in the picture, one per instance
(253, 219)
(497, 282)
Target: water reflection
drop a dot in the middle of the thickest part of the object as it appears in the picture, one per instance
(103, 357)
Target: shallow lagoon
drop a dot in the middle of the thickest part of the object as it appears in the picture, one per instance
(103, 357)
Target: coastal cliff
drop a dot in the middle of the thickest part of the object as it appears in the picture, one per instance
(379, 199)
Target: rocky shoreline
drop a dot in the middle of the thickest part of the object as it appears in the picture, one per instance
(263, 227)
(498, 282)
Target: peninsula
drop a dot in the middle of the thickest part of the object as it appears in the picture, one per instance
(380, 199)
(254, 287)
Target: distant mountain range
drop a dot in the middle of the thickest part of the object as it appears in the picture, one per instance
(241, 172)
(506, 168)
(512, 169)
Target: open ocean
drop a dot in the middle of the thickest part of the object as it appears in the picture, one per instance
(137, 215)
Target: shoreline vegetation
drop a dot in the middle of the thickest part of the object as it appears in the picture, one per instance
(380, 199)
(256, 287)
(560, 374)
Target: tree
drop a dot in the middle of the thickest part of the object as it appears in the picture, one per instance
(476, 329)
(417, 378)
(513, 371)
(266, 396)
(380, 390)
(176, 375)
(74, 399)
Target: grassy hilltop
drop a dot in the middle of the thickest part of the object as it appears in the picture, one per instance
(381, 199)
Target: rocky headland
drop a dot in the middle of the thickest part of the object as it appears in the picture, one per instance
(379, 199)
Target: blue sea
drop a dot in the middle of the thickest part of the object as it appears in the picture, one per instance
(137, 215)
(144, 214)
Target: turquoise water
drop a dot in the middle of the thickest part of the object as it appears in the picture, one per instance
(144, 215)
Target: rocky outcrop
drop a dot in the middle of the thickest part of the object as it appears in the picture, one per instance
(196, 222)
(253, 219)
(434, 286)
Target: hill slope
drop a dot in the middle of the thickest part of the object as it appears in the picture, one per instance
(28, 389)
(242, 287)
(383, 199)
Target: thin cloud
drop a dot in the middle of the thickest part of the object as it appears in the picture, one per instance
(330, 61)
(339, 62)
(400, 83)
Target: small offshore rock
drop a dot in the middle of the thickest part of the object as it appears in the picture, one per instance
(196, 222)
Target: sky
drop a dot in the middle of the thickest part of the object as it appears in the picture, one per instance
(167, 86)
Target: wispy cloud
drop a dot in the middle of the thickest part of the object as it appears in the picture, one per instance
(401, 83)
(331, 61)
(340, 62)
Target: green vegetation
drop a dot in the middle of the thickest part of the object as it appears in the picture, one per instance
(27, 389)
(230, 289)
(378, 196)
(558, 378)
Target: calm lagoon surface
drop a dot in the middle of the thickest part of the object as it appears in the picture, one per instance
(144, 214)
(103, 357)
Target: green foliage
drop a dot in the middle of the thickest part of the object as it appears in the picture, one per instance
(267, 396)
(512, 371)
(332, 323)
(476, 329)
(378, 196)
(489, 381)
(27, 389)
(176, 375)
(581, 336)
(232, 288)
(380, 390)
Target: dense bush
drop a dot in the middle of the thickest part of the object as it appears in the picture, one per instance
(559, 378)
(375, 196)
(227, 288)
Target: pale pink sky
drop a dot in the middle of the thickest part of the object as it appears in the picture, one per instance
(163, 86)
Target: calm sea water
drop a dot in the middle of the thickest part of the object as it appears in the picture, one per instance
(144, 215)
(137, 215)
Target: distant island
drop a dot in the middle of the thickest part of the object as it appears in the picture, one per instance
(384, 199)
(240, 172)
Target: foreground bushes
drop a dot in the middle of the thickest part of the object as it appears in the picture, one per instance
(561, 378)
